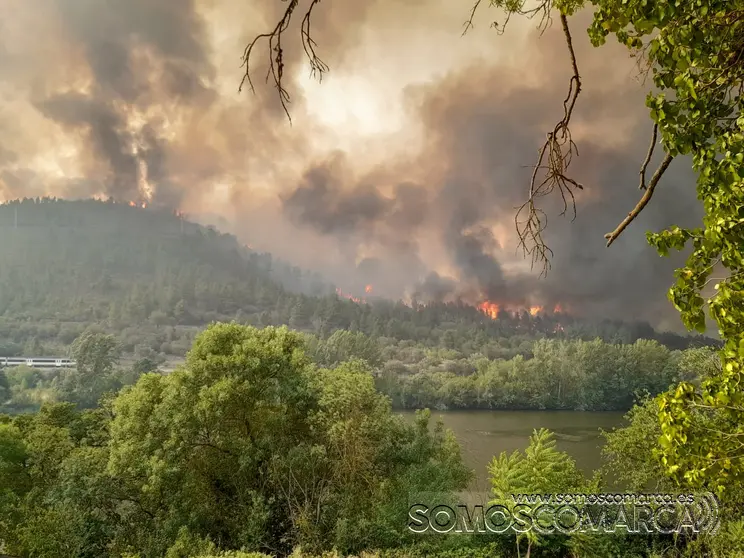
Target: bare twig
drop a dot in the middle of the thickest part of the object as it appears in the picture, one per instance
(542, 8)
(554, 159)
(642, 185)
(731, 277)
(468, 25)
(317, 66)
(612, 236)
(276, 52)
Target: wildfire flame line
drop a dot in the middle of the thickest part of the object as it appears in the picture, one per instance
(358, 300)
(492, 309)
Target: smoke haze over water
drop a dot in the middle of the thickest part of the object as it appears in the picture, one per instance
(401, 169)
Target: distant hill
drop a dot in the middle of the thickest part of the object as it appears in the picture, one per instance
(153, 277)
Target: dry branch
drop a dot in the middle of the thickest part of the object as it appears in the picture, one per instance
(276, 52)
(468, 25)
(542, 8)
(611, 236)
(554, 159)
(642, 185)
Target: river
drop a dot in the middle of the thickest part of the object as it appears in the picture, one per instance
(483, 434)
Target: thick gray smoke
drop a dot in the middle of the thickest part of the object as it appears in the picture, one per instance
(484, 128)
(145, 91)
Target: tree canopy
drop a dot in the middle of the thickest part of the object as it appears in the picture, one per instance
(247, 445)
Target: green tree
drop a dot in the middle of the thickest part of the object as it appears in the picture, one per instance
(541, 468)
(629, 451)
(95, 355)
(159, 318)
(345, 345)
(4, 387)
(249, 445)
(213, 427)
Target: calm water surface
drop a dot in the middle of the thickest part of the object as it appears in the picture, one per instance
(483, 434)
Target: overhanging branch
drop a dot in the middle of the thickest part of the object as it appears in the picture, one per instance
(276, 52)
(612, 236)
(554, 159)
(644, 166)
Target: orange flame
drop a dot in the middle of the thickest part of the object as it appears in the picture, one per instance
(352, 298)
(368, 289)
(132, 204)
(490, 309)
(558, 309)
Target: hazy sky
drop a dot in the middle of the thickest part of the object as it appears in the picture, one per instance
(401, 169)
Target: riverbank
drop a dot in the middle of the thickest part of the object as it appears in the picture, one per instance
(484, 434)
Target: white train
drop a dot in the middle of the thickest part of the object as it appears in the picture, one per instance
(38, 362)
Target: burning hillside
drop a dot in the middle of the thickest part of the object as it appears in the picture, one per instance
(358, 300)
(492, 309)
(487, 307)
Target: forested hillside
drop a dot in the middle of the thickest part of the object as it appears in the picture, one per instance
(153, 279)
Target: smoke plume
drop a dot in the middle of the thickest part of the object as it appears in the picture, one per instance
(402, 169)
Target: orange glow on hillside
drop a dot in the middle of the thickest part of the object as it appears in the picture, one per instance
(352, 298)
(490, 309)
(368, 289)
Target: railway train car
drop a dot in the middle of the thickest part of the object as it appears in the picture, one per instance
(38, 362)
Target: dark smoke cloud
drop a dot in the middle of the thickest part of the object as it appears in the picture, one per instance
(321, 202)
(106, 135)
(111, 31)
(139, 54)
(434, 288)
(152, 84)
(484, 127)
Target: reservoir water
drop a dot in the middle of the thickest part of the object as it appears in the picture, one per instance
(484, 434)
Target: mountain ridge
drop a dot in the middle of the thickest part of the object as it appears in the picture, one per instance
(122, 268)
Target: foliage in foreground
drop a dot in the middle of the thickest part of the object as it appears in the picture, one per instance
(248, 445)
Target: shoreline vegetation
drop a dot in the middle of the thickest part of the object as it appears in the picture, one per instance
(558, 375)
(255, 443)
